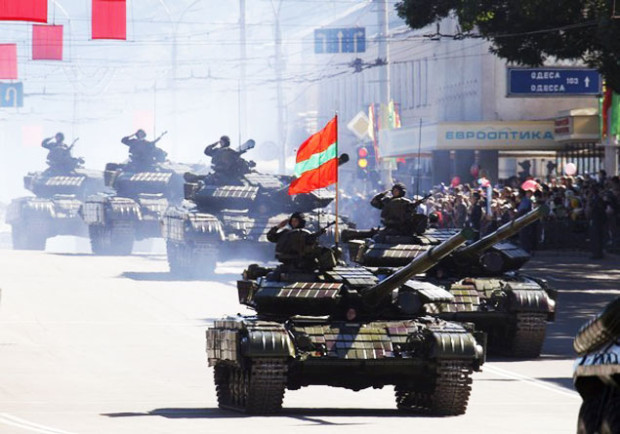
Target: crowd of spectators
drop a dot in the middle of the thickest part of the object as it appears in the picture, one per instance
(583, 210)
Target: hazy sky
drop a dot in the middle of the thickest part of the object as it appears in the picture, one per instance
(104, 90)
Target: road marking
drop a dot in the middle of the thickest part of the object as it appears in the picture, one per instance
(533, 381)
(7, 419)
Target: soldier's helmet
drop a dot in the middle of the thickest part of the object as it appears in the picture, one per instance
(140, 134)
(300, 217)
(400, 187)
(225, 141)
(59, 137)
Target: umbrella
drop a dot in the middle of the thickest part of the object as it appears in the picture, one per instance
(531, 185)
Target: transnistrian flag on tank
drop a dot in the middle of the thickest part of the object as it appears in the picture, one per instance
(317, 160)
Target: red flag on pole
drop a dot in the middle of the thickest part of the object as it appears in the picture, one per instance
(23, 10)
(109, 19)
(8, 61)
(317, 160)
(46, 42)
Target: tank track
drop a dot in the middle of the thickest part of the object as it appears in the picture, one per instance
(450, 396)
(255, 389)
(529, 335)
(198, 260)
(116, 238)
(31, 234)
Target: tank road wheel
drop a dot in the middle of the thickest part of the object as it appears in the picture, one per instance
(112, 239)
(589, 420)
(29, 236)
(255, 389)
(529, 335)
(450, 396)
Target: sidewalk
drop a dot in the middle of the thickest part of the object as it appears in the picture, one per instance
(585, 286)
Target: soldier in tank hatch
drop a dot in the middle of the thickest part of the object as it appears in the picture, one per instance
(143, 153)
(296, 247)
(59, 156)
(398, 214)
(225, 161)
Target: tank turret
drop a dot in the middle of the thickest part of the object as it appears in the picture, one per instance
(488, 289)
(338, 290)
(422, 263)
(228, 213)
(141, 193)
(54, 210)
(596, 374)
(489, 255)
(348, 327)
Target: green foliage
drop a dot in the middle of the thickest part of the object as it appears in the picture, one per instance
(528, 32)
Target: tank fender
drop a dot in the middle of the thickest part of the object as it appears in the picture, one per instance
(98, 209)
(14, 210)
(270, 340)
(455, 345)
(231, 339)
(523, 299)
(31, 207)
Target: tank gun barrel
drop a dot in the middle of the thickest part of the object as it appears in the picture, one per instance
(372, 296)
(505, 231)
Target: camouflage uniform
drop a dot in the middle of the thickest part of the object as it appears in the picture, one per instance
(143, 153)
(396, 213)
(59, 156)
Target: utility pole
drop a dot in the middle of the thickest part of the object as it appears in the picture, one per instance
(279, 92)
(384, 51)
(242, 74)
(384, 72)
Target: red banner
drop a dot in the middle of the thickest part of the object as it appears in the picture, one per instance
(23, 10)
(46, 42)
(8, 61)
(109, 19)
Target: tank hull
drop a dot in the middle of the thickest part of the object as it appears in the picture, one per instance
(196, 240)
(134, 211)
(597, 372)
(512, 308)
(54, 211)
(432, 375)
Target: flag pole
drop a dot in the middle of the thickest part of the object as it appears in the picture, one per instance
(336, 235)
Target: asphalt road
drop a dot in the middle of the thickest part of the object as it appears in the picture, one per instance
(115, 345)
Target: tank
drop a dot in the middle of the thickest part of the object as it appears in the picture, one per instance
(54, 209)
(228, 213)
(345, 327)
(597, 372)
(134, 209)
(511, 307)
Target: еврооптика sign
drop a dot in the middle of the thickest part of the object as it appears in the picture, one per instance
(496, 135)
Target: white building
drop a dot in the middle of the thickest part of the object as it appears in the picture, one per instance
(452, 97)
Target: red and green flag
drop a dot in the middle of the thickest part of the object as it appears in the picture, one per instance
(317, 160)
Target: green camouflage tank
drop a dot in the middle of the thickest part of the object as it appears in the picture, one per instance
(344, 327)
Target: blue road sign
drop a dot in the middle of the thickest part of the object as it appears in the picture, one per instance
(345, 40)
(532, 82)
(11, 94)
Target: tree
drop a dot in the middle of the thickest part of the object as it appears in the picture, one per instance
(528, 32)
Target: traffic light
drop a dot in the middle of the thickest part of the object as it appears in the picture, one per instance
(362, 157)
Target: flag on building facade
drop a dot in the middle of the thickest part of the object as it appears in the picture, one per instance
(605, 104)
(46, 42)
(316, 165)
(8, 61)
(23, 10)
(109, 19)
